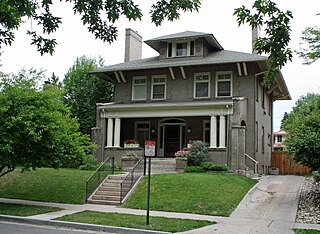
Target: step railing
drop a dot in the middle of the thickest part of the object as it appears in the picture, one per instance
(93, 181)
(255, 162)
(132, 177)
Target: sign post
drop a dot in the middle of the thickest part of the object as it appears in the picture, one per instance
(150, 151)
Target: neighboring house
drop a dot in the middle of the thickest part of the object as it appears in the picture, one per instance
(194, 90)
(278, 139)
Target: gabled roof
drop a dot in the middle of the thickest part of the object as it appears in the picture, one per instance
(190, 35)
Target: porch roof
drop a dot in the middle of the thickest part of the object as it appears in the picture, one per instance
(172, 109)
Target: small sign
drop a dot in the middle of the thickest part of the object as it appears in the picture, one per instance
(150, 148)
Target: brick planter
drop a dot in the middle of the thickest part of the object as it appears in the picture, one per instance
(181, 164)
(128, 163)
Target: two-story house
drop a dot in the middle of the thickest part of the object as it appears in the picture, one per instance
(193, 90)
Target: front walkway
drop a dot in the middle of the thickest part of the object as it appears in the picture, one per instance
(270, 207)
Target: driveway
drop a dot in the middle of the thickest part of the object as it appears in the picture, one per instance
(270, 207)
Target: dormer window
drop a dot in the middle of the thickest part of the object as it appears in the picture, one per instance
(179, 49)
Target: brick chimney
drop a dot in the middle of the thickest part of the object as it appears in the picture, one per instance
(133, 45)
(255, 35)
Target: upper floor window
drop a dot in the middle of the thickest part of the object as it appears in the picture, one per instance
(224, 84)
(178, 49)
(201, 85)
(158, 90)
(139, 88)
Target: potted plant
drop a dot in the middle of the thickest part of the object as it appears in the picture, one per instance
(181, 160)
(131, 143)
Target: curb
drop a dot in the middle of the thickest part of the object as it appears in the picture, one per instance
(79, 226)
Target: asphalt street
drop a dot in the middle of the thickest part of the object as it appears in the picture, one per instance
(19, 228)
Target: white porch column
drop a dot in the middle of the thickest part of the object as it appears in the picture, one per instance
(110, 132)
(222, 132)
(213, 132)
(117, 125)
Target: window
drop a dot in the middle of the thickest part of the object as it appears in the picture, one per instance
(202, 85)
(279, 139)
(263, 96)
(142, 132)
(223, 84)
(257, 136)
(257, 90)
(262, 140)
(206, 131)
(158, 88)
(183, 48)
(139, 88)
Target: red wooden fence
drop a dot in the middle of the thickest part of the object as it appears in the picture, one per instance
(284, 162)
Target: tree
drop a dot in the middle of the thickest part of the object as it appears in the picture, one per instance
(311, 36)
(277, 30)
(83, 91)
(284, 118)
(98, 15)
(36, 129)
(303, 128)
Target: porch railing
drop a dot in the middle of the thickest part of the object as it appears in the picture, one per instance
(255, 162)
(106, 168)
(132, 177)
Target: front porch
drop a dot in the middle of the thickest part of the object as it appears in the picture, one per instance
(171, 125)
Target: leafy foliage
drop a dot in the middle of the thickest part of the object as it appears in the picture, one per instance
(311, 36)
(98, 15)
(36, 129)
(198, 153)
(83, 91)
(303, 128)
(277, 30)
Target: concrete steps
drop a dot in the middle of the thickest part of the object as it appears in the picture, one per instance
(109, 191)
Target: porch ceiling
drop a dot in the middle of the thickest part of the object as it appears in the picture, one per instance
(174, 109)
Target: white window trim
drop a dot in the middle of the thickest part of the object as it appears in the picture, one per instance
(223, 73)
(165, 86)
(133, 85)
(195, 82)
(174, 49)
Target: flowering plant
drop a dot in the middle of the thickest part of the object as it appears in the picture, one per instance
(130, 141)
(181, 153)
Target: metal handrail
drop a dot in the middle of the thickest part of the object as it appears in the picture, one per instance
(90, 188)
(132, 177)
(255, 169)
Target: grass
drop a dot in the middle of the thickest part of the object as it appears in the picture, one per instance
(44, 184)
(199, 193)
(304, 231)
(135, 221)
(24, 210)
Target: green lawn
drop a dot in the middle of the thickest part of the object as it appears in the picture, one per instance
(44, 184)
(304, 231)
(135, 221)
(24, 210)
(200, 193)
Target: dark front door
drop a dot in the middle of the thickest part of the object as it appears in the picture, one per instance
(171, 140)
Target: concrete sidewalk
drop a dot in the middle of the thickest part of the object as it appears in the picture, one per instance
(270, 207)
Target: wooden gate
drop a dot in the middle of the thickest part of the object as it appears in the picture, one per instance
(286, 165)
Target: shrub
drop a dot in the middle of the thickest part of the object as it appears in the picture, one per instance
(316, 175)
(198, 153)
(193, 169)
(209, 166)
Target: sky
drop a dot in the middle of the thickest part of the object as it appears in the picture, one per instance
(214, 17)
